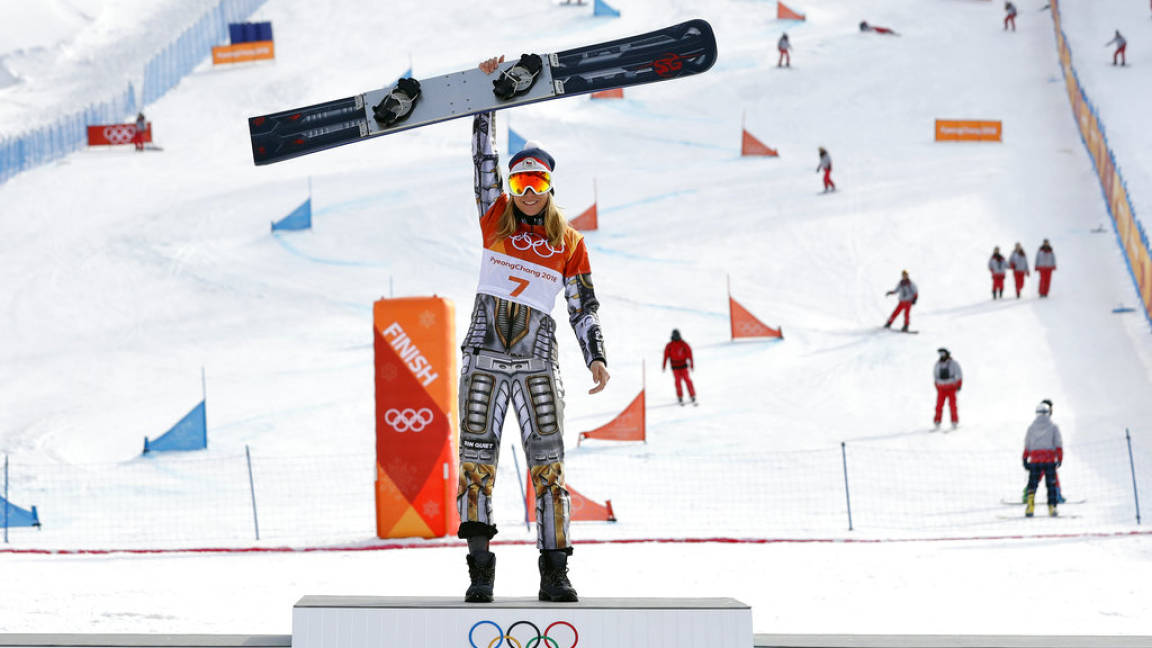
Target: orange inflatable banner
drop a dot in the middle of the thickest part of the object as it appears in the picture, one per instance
(615, 93)
(582, 509)
(587, 221)
(968, 130)
(784, 12)
(630, 425)
(416, 410)
(749, 145)
(746, 325)
(241, 52)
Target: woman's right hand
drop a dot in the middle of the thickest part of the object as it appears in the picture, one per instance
(489, 66)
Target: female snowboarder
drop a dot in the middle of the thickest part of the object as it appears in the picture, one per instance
(530, 256)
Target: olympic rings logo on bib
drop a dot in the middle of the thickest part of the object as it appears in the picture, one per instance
(119, 134)
(525, 241)
(537, 641)
(408, 419)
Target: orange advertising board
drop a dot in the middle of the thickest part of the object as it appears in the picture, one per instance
(252, 51)
(968, 130)
(416, 417)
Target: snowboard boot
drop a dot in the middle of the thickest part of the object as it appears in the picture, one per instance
(1030, 509)
(482, 571)
(519, 78)
(694, 403)
(554, 585)
(888, 325)
(398, 104)
(680, 399)
(904, 328)
(1052, 510)
(1024, 496)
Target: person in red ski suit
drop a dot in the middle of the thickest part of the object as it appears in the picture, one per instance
(1045, 265)
(680, 354)
(948, 377)
(906, 292)
(1010, 18)
(1121, 44)
(865, 27)
(826, 166)
(141, 130)
(998, 266)
(784, 46)
(1019, 263)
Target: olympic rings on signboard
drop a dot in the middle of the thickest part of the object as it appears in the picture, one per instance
(403, 420)
(513, 642)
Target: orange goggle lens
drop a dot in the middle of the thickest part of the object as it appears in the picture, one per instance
(538, 181)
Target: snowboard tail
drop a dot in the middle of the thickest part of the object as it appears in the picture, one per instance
(680, 50)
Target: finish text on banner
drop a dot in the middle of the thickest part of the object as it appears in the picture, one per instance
(968, 130)
(415, 348)
(254, 51)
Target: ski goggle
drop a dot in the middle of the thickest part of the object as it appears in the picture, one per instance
(540, 182)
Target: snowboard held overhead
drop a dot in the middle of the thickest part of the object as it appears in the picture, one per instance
(673, 52)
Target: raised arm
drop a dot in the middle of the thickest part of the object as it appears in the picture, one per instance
(487, 182)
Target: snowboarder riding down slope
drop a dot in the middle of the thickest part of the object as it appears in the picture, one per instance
(784, 46)
(1043, 454)
(680, 354)
(826, 166)
(510, 361)
(865, 27)
(1010, 17)
(1019, 263)
(998, 266)
(906, 292)
(1121, 45)
(949, 379)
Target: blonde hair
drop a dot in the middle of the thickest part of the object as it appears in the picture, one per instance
(554, 223)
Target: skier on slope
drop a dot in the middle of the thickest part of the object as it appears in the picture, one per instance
(680, 354)
(1045, 265)
(1121, 45)
(826, 166)
(949, 379)
(865, 27)
(1043, 454)
(1010, 17)
(530, 256)
(907, 295)
(1019, 263)
(998, 266)
(785, 47)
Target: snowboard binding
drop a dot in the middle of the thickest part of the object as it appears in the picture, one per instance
(399, 103)
(519, 78)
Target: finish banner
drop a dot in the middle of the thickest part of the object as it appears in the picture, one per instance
(416, 439)
(253, 51)
(114, 134)
(968, 130)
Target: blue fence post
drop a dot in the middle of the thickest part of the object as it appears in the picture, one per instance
(252, 489)
(847, 495)
(1132, 466)
(5, 499)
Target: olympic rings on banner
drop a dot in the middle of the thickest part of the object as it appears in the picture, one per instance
(408, 419)
(513, 642)
(120, 133)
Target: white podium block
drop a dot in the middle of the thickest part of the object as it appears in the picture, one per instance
(402, 622)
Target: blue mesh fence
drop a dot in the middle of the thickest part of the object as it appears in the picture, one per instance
(162, 73)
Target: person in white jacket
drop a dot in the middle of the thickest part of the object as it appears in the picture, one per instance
(907, 293)
(1121, 45)
(1010, 16)
(1019, 263)
(1043, 454)
(949, 379)
(1045, 265)
(826, 166)
(785, 47)
(998, 266)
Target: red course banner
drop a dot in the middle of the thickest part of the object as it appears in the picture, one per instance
(114, 134)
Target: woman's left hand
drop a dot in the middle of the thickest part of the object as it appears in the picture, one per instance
(600, 375)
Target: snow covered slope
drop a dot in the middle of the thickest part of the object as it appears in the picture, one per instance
(125, 273)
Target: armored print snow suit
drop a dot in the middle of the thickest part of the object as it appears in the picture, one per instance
(510, 353)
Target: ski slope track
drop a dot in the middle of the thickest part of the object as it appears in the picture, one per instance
(125, 273)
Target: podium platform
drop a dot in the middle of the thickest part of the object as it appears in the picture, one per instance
(442, 622)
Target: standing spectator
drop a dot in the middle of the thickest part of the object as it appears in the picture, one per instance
(906, 292)
(1010, 18)
(1121, 45)
(949, 379)
(784, 46)
(141, 130)
(1043, 454)
(1019, 263)
(998, 266)
(1045, 264)
(826, 166)
(865, 27)
(680, 354)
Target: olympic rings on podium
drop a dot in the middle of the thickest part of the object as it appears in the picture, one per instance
(513, 642)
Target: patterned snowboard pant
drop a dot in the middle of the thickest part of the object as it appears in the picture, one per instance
(489, 381)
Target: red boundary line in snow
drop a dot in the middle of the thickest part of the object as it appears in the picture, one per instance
(441, 545)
